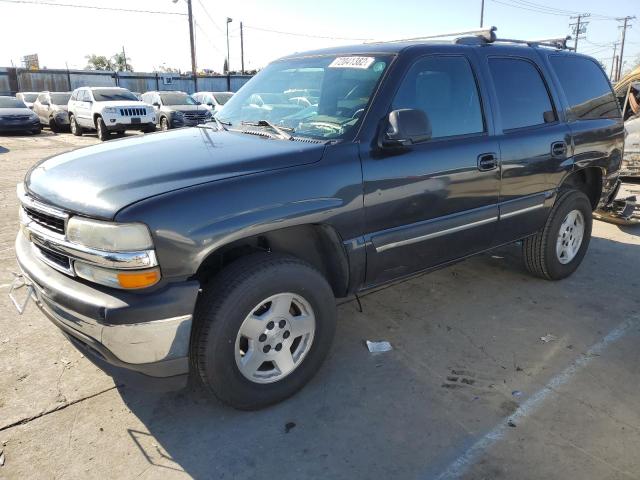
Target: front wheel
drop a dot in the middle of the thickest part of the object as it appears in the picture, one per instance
(101, 129)
(75, 128)
(164, 124)
(263, 328)
(557, 250)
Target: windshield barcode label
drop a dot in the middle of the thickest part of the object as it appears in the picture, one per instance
(352, 62)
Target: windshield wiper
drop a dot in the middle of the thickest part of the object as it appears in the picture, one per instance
(221, 125)
(282, 132)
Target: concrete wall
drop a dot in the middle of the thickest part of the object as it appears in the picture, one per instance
(13, 80)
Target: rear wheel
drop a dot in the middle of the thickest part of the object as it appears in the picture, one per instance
(556, 251)
(75, 128)
(101, 129)
(164, 124)
(263, 328)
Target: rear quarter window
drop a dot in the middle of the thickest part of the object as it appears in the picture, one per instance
(586, 88)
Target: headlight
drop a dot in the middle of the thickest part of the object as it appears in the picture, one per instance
(126, 279)
(108, 236)
(207, 114)
(110, 110)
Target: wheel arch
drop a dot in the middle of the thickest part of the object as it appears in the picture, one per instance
(588, 180)
(318, 244)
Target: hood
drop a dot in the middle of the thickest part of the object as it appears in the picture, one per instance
(15, 111)
(60, 108)
(100, 180)
(123, 103)
(186, 108)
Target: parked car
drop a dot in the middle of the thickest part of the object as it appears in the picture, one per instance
(51, 108)
(15, 116)
(176, 109)
(27, 97)
(213, 101)
(221, 249)
(107, 110)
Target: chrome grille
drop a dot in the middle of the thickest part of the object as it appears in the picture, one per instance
(47, 221)
(55, 259)
(133, 112)
(195, 117)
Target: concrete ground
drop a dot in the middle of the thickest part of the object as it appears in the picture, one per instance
(469, 391)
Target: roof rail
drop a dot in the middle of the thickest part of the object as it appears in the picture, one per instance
(486, 34)
(559, 43)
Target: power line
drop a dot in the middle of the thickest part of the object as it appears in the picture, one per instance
(305, 34)
(206, 12)
(543, 9)
(92, 7)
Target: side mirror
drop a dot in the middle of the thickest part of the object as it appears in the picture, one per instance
(156, 104)
(407, 127)
(210, 104)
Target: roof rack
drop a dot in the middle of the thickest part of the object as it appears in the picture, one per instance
(488, 35)
(559, 43)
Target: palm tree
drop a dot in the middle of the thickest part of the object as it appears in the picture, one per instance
(121, 63)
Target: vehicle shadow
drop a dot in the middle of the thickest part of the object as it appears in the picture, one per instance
(388, 415)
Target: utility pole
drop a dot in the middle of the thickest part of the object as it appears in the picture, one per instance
(613, 61)
(124, 59)
(580, 27)
(481, 13)
(193, 47)
(229, 20)
(241, 49)
(624, 27)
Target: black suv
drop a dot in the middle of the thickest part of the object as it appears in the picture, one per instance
(220, 249)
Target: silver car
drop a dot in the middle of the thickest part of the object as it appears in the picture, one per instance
(51, 108)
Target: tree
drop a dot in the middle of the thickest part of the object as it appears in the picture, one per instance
(98, 62)
(164, 69)
(121, 63)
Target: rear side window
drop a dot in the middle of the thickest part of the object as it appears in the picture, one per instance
(586, 88)
(523, 97)
(445, 89)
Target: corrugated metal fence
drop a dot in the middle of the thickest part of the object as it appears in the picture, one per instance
(14, 80)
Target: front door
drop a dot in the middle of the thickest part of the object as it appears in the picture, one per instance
(436, 201)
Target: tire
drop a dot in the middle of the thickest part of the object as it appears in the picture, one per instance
(225, 307)
(164, 124)
(75, 128)
(53, 126)
(548, 256)
(101, 129)
(37, 131)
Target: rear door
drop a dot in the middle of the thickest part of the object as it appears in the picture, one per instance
(435, 201)
(534, 139)
(83, 110)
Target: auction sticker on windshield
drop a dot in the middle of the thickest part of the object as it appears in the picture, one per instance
(352, 62)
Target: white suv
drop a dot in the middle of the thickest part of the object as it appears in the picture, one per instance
(108, 109)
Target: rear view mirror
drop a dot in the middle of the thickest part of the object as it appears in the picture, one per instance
(156, 104)
(406, 127)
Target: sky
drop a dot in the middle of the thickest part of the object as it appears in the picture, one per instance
(65, 35)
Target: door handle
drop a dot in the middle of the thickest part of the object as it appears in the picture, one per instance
(559, 149)
(487, 162)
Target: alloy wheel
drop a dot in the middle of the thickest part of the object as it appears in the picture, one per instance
(274, 338)
(570, 237)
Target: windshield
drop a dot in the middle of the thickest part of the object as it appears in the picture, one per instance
(60, 98)
(110, 94)
(320, 97)
(29, 97)
(11, 102)
(177, 99)
(222, 98)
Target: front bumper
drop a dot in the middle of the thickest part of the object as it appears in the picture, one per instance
(20, 126)
(147, 333)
